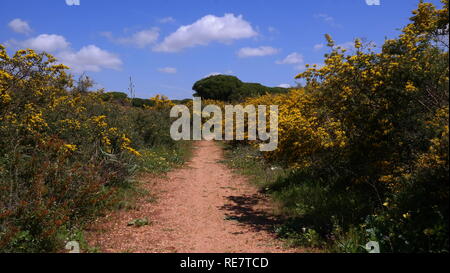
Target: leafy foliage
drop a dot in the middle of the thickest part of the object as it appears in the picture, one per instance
(64, 151)
(367, 139)
(230, 88)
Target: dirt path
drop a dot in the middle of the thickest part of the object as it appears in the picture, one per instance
(202, 207)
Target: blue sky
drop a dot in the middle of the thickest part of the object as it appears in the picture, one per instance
(167, 45)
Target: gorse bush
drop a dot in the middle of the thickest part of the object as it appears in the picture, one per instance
(63, 151)
(367, 139)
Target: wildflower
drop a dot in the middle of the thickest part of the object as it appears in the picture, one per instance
(100, 121)
(133, 151)
(70, 147)
(410, 87)
(106, 140)
(5, 98)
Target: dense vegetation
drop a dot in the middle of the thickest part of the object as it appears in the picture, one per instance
(231, 89)
(66, 153)
(362, 154)
(123, 99)
(366, 144)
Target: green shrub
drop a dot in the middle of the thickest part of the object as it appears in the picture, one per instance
(367, 141)
(65, 151)
(230, 88)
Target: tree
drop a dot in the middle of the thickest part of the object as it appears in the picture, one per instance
(219, 87)
(230, 88)
(84, 84)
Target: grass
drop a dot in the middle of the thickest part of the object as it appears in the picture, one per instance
(140, 222)
(295, 230)
(162, 159)
(249, 162)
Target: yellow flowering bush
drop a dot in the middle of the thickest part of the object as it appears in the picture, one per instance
(63, 151)
(160, 102)
(303, 131)
(367, 139)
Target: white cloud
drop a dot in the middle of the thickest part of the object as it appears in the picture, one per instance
(213, 74)
(168, 70)
(89, 58)
(293, 58)
(272, 29)
(207, 29)
(107, 34)
(285, 85)
(324, 17)
(44, 42)
(139, 39)
(327, 19)
(20, 26)
(228, 72)
(257, 51)
(318, 47)
(167, 20)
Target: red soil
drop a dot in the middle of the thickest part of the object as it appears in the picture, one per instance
(202, 207)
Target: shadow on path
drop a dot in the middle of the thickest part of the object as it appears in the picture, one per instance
(245, 210)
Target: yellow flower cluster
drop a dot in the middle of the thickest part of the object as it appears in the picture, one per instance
(70, 147)
(160, 102)
(125, 145)
(100, 121)
(302, 130)
(40, 107)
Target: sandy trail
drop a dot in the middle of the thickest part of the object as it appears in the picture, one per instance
(202, 207)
